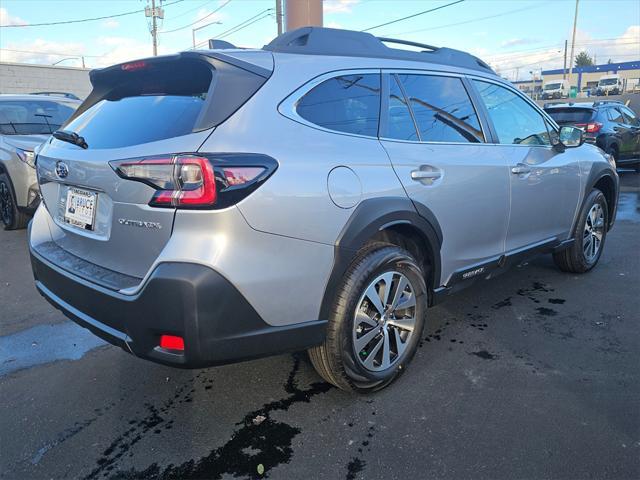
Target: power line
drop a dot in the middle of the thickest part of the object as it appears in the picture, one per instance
(51, 53)
(236, 28)
(65, 22)
(200, 19)
(192, 10)
(413, 16)
(245, 24)
(471, 21)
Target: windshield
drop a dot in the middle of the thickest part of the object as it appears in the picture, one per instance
(571, 115)
(608, 81)
(33, 117)
(552, 86)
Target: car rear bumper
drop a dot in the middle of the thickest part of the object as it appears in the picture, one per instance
(188, 300)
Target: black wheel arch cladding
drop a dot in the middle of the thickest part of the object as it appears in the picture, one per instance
(368, 219)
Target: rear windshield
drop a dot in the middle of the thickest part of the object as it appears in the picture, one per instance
(608, 81)
(151, 103)
(571, 115)
(32, 117)
(552, 86)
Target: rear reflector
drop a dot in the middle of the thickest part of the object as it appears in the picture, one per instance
(172, 342)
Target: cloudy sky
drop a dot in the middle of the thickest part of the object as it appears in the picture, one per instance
(515, 36)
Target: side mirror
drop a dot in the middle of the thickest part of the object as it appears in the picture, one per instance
(569, 137)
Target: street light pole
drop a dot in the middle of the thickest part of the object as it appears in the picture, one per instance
(573, 43)
(193, 30)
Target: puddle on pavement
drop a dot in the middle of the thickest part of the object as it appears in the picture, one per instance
(628, 207)
(45, 344)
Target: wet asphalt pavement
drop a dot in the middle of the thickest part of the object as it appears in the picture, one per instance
(534, 374)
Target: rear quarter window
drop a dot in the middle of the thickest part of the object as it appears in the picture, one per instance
(347, 103)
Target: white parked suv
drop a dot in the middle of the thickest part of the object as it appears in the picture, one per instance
(320, 193)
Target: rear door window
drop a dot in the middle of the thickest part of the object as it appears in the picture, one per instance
(515, 120)
(615, 116)
(442, 108)
(347, 103)
(400, 124)
(630, 118)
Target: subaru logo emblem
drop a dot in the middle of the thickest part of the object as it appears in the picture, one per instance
(62, 170)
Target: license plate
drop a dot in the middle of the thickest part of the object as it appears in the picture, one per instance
(80, 208)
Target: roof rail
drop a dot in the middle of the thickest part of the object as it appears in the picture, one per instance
(603, 102)
(57, 94)
(331, 41)
(407, 42)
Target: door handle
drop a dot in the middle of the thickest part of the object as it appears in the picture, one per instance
(520, 169)
(425, 175)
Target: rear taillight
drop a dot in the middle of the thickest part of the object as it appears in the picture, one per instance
(198, 181)
(593, 127)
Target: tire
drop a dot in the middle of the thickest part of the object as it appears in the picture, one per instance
(613, 151)
(365, 368)
(581, 257)
(10, 217)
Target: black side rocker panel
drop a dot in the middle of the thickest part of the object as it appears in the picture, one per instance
(370, 217)
(217, 323)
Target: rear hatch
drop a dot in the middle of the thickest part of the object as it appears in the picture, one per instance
(571, 115)
(148, 110)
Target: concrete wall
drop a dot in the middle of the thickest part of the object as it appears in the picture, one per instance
(27, 78)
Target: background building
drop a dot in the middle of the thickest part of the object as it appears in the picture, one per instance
(589, 76)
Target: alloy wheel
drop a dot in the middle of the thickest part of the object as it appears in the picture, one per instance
(593, 233)
(384, 321)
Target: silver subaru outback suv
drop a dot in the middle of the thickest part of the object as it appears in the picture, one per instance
(319, 193)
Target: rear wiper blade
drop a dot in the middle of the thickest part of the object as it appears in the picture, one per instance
(70, 137)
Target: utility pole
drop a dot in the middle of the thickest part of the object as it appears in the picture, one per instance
(564, 68)
(155, 13)
(279, 16)
(573, 42)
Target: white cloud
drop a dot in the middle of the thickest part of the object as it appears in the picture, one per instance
(518, 41)
(122, 49)
(6, 19)
(623, 48)
(334, 25)
(42, 52)
(339, 6)
(204, 17)
(110, 23)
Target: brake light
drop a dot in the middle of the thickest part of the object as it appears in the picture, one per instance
(197, 181)
(593, 127)
(131, 66)
(180, 180)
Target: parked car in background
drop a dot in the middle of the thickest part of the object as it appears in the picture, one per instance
(25, 122)
(610, 85)
(555, 89)
(610, 125)
(179, 225)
